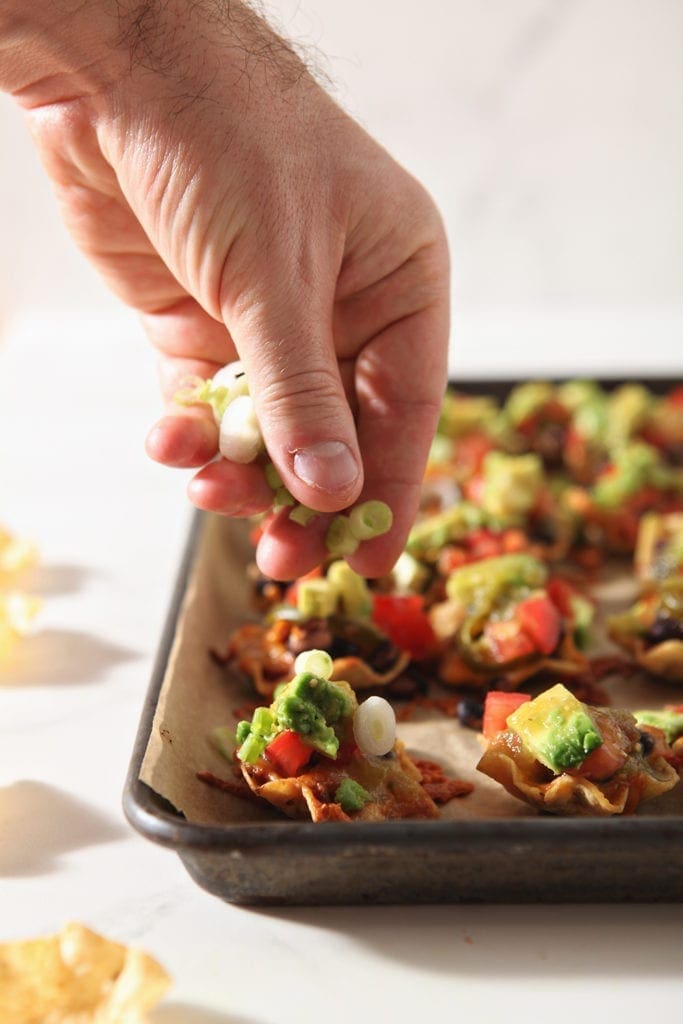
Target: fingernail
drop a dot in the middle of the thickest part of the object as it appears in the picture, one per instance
(328, 466)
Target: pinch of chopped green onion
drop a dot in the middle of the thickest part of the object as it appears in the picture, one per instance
(197, 391)
(370, 519)
(262, 721)
(318, 663)
(282, 498)
(273, 478)
(339, 539)
(252, 748)
(302, 515)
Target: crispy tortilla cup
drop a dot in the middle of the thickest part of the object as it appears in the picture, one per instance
(393, 782)
(644, 776)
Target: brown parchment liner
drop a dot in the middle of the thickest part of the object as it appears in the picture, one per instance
(197, 694)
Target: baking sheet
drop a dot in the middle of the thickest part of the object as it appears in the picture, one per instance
(487, 847)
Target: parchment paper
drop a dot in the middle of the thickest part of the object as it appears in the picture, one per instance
(198, 694)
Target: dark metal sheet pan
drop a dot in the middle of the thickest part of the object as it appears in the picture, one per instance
(524, 860)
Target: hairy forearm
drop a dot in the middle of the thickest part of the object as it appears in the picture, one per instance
(56, 49)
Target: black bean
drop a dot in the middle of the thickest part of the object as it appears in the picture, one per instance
(470, 712)
(341, 647)
(647, 742)
(665, 627)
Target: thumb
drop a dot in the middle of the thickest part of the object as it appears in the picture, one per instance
(286, 343)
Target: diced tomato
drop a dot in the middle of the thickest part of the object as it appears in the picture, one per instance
(485, 544)
(474, 489)
(508, 641)
(540, 619)
(471, 451)
(560, 593)
(675, 397)
(451, 558)
(288, 752)
(403, 618)
(346, 751)
(513, 540)
(498, 706)
(601, 763)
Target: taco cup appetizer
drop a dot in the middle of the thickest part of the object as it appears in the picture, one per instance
(564, 757)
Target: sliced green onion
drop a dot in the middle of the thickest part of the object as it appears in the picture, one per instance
(302, 515)
(196, 391)
(318, 663)
(239, 438)
(252, 748)
(273, 478)
(370, 519)
(262, 721)
(374, 726)
(282, 498)
(339, 539)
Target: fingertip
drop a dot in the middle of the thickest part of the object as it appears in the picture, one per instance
(286, 550)
(182, 441)
(230, 489)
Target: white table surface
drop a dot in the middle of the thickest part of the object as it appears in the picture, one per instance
(76, 398)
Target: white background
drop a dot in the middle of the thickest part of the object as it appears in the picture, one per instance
(550, 134)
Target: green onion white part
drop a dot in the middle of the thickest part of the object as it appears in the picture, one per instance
(339, 539)
(374, 726)
(370, 519)
(240, 440)
(240, 437)
(318, 663)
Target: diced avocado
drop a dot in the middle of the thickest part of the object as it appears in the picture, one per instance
(583, 613)
(634, 466)
(526, 399)
(556, 728)
(461, 414)
(575, 393)
(437, 530)
(481, 581)
(629, 408)
(352, 595)
(591, 418)
(511, 484)
(441, 449)
(351, 795)
(312, 706)
(316, 599)
(670, 722)
(309, 705)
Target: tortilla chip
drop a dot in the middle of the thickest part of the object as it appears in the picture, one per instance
(77, 977)
(16, 553)
(17, 612)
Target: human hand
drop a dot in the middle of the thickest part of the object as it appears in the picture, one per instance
(224, 195)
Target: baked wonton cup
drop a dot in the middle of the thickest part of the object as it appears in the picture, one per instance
(393, 783)
(646, 773)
